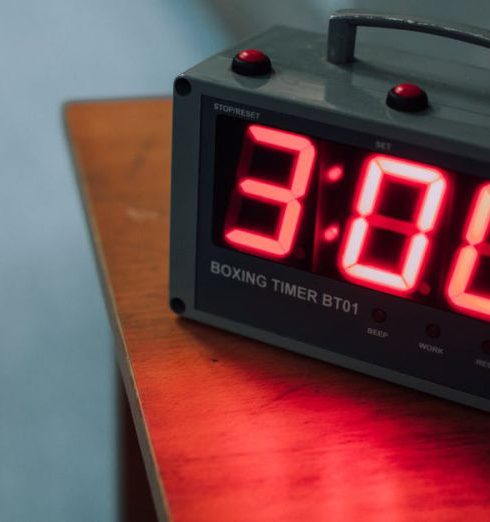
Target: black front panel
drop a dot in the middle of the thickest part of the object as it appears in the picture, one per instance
(284, 267)
(328, 208)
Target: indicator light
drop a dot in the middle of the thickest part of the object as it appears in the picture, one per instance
(485, 346)
(433, 330)
(251, 62)
(335, 173)
(407, 97)
(332, 232)
(379, 315)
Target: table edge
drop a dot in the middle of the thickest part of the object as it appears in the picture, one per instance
(141, 428)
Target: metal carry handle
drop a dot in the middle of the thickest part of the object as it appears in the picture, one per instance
(343, 28)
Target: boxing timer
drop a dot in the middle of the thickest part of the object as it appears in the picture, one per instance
(339, 207)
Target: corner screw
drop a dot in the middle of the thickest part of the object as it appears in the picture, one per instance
(177, 305)
(182, 86)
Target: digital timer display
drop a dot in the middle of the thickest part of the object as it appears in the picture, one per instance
(399, 226)
(321, 206)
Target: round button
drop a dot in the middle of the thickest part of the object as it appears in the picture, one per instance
(379, 315)
(433, 330)
(485, 346)
(407, 97)
(251, 62)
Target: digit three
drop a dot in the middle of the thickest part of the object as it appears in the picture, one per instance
(289, 199)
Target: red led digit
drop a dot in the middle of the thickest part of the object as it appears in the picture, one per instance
(431, 182)
(467, 259)
(287, 198)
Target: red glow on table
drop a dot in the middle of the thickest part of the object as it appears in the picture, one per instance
(433, 184)
(467, 257)
(288, 198)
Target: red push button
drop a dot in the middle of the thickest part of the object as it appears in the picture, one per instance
(407, 97)
(251, 62)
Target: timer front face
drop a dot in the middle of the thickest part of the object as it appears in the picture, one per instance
(315, 237)
(403, 227)
(309, 214)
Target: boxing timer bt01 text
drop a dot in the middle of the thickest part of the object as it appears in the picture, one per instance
(339, 207)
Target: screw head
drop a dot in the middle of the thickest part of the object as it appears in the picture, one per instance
(182, 86)
(177, 305)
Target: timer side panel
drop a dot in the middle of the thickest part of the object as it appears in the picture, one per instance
(184, 199)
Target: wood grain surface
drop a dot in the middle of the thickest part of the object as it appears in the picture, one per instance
(235, 430)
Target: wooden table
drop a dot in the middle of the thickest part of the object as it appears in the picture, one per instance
(234, 430)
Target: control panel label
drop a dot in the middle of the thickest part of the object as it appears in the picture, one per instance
(426, 347)
(482, 363)
(236, 111)
(375, 332)
(286, 288)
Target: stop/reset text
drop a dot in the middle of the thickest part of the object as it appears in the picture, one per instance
(286, 288)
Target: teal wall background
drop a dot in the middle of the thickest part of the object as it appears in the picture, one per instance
(57, 379)
(58, 449)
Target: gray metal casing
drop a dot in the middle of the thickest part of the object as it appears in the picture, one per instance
(304, 86)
